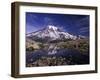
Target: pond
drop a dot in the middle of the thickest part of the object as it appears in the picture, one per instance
(71, 56)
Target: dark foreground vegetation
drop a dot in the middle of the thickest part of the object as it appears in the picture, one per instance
(51, 61)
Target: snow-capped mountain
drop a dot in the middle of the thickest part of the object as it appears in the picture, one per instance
(52, 33)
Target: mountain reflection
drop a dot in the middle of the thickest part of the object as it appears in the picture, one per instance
(55, 56)
(52, 49)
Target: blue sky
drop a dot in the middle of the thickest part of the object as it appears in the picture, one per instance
(74, 24)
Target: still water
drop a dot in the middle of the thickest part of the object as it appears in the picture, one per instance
(76, 57)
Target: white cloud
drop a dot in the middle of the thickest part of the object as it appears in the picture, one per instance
(48, 20)
(84, 29)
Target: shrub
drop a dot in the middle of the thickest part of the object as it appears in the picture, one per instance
(30, 49)
(41, 45)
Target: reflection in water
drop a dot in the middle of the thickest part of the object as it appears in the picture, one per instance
(54, 56)
(52, 49)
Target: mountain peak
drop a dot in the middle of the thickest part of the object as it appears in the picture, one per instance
(52, 27)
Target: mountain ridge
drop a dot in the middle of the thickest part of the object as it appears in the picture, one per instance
(51, 32)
